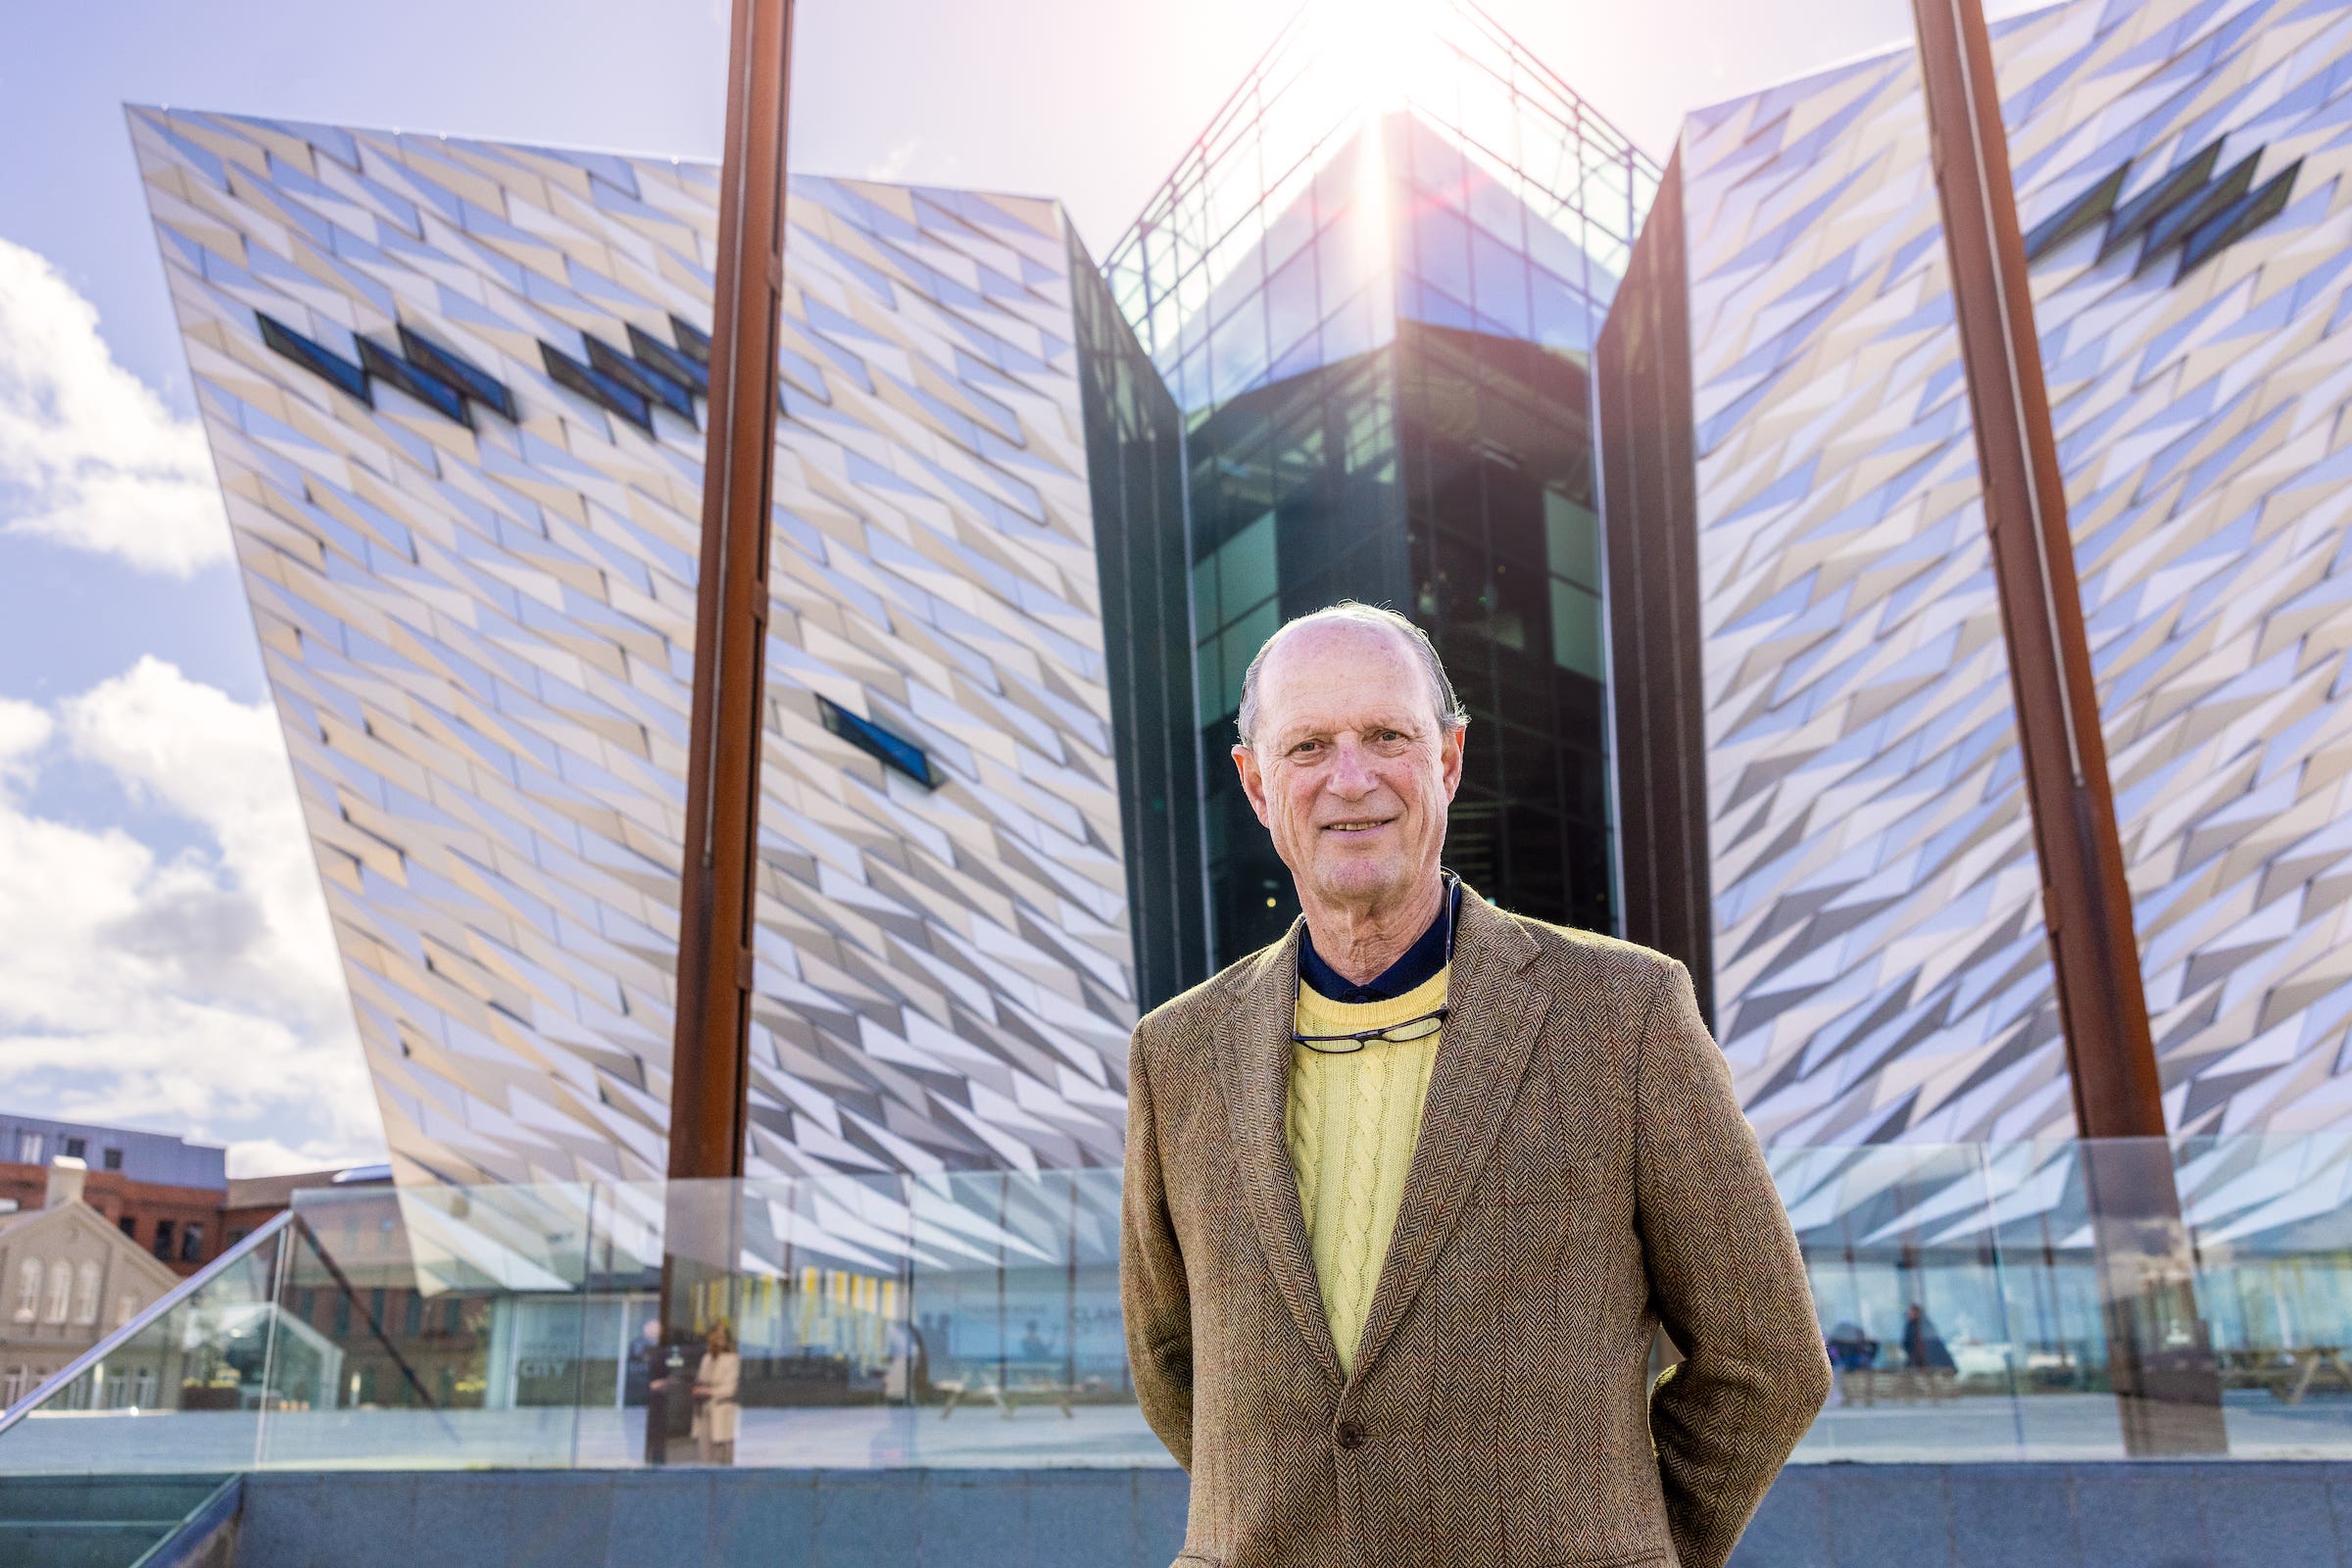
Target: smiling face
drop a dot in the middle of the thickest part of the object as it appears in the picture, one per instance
(1349, 767)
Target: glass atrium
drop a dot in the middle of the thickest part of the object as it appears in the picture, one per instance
(1372, 289)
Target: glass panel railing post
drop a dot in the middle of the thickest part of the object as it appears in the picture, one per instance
(904, 1381)
(701, 1246)
(580, 1333)
(281, 1256)
(1996, 1256)
(2159, 1349)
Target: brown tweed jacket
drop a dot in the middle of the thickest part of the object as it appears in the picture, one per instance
(1582, 1174)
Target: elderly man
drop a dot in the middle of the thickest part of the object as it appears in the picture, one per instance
(1409, 1192)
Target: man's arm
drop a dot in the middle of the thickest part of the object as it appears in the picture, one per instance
(1153, 1297)
(1727, 1283)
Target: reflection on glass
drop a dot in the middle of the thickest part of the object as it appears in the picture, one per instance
(971, 1319)
(183, 1390)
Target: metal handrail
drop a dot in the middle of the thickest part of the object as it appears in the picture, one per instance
(161, 1304)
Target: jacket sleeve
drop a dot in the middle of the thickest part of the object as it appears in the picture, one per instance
(1153, 1297)
(1727, 1283)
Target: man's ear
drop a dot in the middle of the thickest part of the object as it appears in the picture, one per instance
(1450, 761)
(1254, 783)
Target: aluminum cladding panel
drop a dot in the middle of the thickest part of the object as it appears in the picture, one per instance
(1882, 966)
(463, 465)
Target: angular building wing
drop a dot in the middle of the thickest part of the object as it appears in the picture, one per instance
(1876, 917)
(454, 392)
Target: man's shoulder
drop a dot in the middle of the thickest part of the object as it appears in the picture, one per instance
(1192, 1014)
(1589, 951)
(1565, 953)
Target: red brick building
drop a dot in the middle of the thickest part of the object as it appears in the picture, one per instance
(172, 1198)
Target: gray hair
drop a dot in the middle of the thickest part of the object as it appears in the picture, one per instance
(1451, 716)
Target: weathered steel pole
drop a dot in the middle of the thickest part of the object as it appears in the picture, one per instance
(718, 882)
(2159, 1357)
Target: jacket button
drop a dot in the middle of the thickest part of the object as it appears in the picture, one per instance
(1350, 1436)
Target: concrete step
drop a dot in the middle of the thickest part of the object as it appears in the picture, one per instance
(64, 1498)
(81, 1542)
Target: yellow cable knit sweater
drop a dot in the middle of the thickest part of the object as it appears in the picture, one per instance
(1352, 1122)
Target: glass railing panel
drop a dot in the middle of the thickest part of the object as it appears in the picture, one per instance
(2270, 1232)
(1909, 1294)
(433, 1326)
(801, 1280)
(1016, 1323)
(182, 1393)
(2053, 1301)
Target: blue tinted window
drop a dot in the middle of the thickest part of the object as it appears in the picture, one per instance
(1241, 641)
(315, 358)
(1569, 539)
(598, 387)
(1576, 629)
(1437, 164)
(2238, 220)
(469, 379)
(1207, 618)
(642, 379)
(1290, 230)
(890, 749)
(1290, 302)
(693, 341)
(440, 395)
(1442, 244)
(1425, 302)
(1245, 572)
(1502, 295)
(1237, 350)
(1495, 210)
(1348, 254)
(1297, 359)
(679, 366)
(1209, 685)
(1353, 328)
(1553, 250)
(1563, 320)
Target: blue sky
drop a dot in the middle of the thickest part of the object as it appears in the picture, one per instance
(163, 961)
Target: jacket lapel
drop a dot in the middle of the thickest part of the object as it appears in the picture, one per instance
(1491, 1024)
(1253, 1064)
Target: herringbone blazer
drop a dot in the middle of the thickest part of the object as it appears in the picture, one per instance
(1582, 1174)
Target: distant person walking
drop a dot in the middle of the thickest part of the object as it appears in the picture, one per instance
(654, 1354)
(715, 1384)
(1925, 1354)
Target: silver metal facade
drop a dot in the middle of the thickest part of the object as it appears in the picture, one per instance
(462, 464)
(1881, 957)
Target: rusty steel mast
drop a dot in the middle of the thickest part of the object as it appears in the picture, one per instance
(2160, 1360)
(718, 882)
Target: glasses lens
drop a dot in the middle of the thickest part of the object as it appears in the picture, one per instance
(1414, 1029)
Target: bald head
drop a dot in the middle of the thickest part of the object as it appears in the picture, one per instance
(1341, 618)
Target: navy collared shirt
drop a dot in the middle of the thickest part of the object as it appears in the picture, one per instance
(1414, 967)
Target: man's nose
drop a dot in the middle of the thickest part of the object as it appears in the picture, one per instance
(1352, 770)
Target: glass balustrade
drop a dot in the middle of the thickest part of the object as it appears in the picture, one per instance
(2055, 1300)
(182, 1388)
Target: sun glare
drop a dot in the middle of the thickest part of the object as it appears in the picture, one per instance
(1369, 50)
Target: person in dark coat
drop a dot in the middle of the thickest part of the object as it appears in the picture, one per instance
(1925, 1354)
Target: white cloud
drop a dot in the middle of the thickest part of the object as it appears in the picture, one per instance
(198, 992)
(89, 456)
(24, 730)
